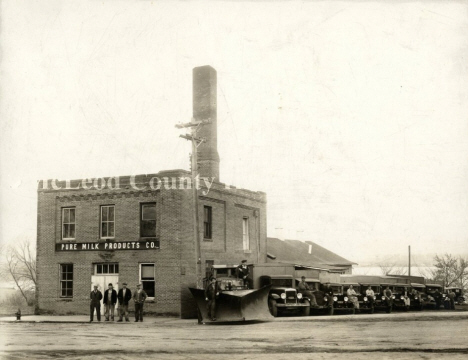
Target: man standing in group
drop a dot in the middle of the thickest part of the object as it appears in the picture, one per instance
(451, 296)
(388, 299)
(370, 297)
(139, 298)
(438, 298)
(328, 292)
(110, 299)
(95, 297)
(211, 293)
(124, 296)
(305, 290)
(243, 273)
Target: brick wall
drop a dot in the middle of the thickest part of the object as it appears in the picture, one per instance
(174, 261)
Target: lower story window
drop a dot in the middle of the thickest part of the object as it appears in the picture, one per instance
(66, 280)
(147, 279)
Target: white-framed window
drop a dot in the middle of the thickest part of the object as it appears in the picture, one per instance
(68, 223)
(107, 222)
(245, 233)
(106, 269)
(66, 280)
(147, 278)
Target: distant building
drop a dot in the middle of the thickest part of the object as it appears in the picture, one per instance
(306, 253)
(6, 290)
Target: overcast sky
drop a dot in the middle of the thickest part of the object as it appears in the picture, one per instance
(351, 116)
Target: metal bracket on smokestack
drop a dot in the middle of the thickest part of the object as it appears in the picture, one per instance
(190, 137)
(193, 123)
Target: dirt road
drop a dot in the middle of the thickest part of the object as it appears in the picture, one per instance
(381, 336)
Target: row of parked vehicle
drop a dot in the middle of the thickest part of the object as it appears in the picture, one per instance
(276, 289)
(334, 297)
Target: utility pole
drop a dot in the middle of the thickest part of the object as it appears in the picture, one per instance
(195, 125)
(409, 260)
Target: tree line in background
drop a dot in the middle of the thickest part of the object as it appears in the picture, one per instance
(449, 269)
(18, 266)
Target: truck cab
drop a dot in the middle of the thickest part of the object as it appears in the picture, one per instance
(459, 297)
(283, 296)
(431, 302)
(401, 292)
(323, 303)
(226, 278)
(368, 303)
(418, 296)
(340, 299)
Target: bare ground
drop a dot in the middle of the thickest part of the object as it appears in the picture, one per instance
(415, 336)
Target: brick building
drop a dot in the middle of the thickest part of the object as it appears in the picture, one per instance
(139, 229)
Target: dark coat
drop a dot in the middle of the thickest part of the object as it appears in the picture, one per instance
(242, 272)
(211, 291)
(139, 297)
(303, 286)
(113, 297)
(328, 290)
(128, 296)
(95, 298)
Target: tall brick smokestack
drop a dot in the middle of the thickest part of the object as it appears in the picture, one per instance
(205, 108)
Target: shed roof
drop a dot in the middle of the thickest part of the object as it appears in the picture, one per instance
(297, 252)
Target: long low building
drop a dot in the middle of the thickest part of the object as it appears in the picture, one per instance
(307, 253)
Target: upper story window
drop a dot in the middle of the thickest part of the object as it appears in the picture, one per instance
(68, 224)
(107, 221)
(245, 233)
(207, 223)
(148, 220)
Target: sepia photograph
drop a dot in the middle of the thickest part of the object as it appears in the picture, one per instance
(247, 179)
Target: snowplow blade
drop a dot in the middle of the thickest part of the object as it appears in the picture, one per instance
(239, 305)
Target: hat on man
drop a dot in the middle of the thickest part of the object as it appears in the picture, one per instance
(110, 284)
(124, 283)
(138, 285)
(303, 277)
(244, 261)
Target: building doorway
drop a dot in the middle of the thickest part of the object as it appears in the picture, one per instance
(104, 274)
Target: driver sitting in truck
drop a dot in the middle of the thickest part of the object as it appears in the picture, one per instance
(243, 273)
(370, 295)
(353, 297)
(304, 289)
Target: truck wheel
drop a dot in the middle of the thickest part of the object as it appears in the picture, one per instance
(306, 309)
(273, 308)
